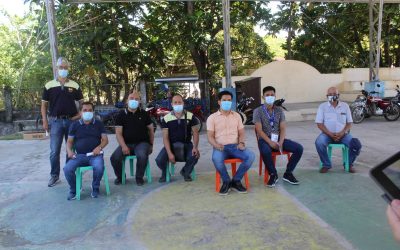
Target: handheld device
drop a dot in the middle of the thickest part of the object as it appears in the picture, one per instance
(91, 153)
(387, 176)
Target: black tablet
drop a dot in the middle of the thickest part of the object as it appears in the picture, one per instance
(387, 176)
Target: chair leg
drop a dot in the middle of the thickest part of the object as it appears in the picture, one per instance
(330, 152)
(193, 174)
(168, 172)
(78, 180)
(246, 181)
(217, 181)
(233, 165)
(346, 158)
(123, 172)
(131, 162)
(105, 176)
(148, 172)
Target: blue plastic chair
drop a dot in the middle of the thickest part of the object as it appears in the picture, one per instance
(79, 172)
(345, 154)
(131, 159)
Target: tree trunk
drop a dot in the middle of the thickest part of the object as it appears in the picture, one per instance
(386, 46)
(290, 32)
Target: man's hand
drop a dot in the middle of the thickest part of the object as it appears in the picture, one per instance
(45, 124)
(219, 147)
(171, 158)
(196, 153)
(393, 216)
(241, 146)
(126, 150)
(71, 155)
(274, 145)
(97, 150)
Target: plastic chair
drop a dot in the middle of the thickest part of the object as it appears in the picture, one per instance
(345, 154)
(171, 172)
(79, 172)
(131, 159)
(233, 166)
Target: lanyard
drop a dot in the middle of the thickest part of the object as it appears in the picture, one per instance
(270, 118)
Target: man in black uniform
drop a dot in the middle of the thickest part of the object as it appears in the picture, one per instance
(60, 96)
(135, 136)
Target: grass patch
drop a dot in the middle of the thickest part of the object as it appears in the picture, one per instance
(16, 136)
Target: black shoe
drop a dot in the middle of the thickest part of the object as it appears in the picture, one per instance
(117, 181)
(237, 185)
(186, 177)
(273, 179)
(71, 196)
(289, 177)
(95, 193)
(53, 181)
(225, 188)
(139, 181)
(162, 179)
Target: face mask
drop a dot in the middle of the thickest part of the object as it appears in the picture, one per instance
(332, 98)
(269, 100)
(63, 73)
(226, 105)
(133, 104)
(178, 108)
(87, 116)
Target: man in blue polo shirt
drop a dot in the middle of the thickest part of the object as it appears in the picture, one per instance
(178, 126)
(59, 95)
(86, 140)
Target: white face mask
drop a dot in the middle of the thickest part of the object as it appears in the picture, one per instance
(269, 100)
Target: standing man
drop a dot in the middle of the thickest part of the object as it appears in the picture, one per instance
(271, 130)
(178, 126)
(135, 135)
(334, 120)
(60, 96)
(225, 133)
(86, 136)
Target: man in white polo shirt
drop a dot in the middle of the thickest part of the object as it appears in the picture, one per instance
(334, 120)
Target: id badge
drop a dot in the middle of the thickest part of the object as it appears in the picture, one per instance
(274, 137)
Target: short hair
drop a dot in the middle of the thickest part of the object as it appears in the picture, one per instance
(176, 94)
(268, 88)
(62, 60)
(224, 92)
(87, 103)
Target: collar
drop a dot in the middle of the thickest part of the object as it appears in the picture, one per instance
(183, 113)
(130, 112)
(338, 104)
(220, 113)
(82, 122)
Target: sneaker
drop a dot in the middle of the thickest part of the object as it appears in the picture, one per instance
(323, 170)
(53, 181)
(95, 193)
(225, 188)
(273, 179)
(185, 177)
(71, 196)
(117, 181)
(289, 177)
(352, 170)
(139, 181)
(162, 179)
(237, 185)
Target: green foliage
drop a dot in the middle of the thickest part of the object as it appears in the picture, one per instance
(275, 45)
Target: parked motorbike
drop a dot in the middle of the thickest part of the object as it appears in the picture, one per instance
(367, 105)
(396, 99)
(244, 111)
(108, 115)
(279, 103)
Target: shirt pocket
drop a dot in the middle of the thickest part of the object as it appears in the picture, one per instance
(331, 117)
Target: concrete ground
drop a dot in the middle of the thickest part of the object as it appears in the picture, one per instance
(337, 210)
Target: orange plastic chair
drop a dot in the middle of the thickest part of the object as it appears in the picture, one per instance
(233, 166)
(274, 154)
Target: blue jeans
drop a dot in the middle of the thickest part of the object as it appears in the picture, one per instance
(322, 142)
(97, 162)
(293, 147)
(162, 160)
(231, 151)
(58, 131)
(140, 150)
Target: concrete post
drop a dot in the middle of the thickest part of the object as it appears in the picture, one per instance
(143, 92)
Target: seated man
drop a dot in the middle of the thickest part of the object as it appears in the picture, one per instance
(135, 135)
(86, 136)
(334, 120)
(271, 130)
(225, 133)
(178, 126)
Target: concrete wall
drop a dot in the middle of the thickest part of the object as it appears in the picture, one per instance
(299, 82)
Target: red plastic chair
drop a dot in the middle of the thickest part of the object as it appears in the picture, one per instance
(274, 154)
(233, 166)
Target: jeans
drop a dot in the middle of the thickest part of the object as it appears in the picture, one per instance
(231, 151)
(162, 160)
(140, 150)
(58, 131)
(97, 162)
(293, 147)
(322, 142)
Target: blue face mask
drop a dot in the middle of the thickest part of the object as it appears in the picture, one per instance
(87, 116)
(133, 104)
(63, 73)
(269, 100)
(178, 108)
(226, 105)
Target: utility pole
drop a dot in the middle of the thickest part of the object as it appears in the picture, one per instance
(52, 35)
(227, 42)
(375, 31)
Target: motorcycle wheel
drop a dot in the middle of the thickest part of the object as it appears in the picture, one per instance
(199, 122)
(358, 115)
(392, 113)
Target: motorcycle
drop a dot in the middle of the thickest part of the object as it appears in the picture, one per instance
(108, 115)
(279, 103)
(397, 97)
(244, 111)
(366, 105)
